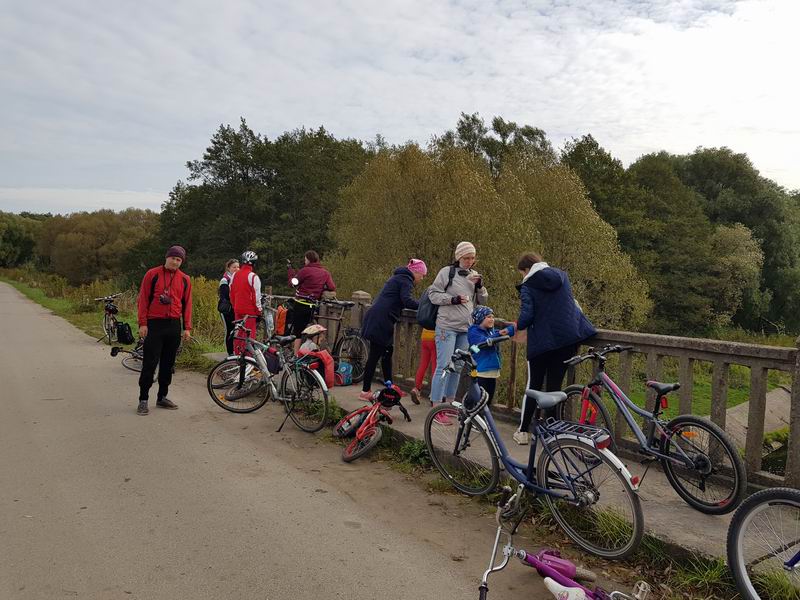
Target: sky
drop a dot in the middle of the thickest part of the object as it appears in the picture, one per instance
(104, 102)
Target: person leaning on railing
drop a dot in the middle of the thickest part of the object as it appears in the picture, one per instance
(312, 280)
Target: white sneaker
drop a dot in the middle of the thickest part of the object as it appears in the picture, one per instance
(564, 593)
(522, 437)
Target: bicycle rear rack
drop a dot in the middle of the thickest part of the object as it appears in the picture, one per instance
(592, 432)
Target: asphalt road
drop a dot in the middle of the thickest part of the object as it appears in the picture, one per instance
(97, 502)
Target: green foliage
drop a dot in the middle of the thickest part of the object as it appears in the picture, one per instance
(415, 453)
(409, 202)
(17, 239)
(86, 246)
(275, 197)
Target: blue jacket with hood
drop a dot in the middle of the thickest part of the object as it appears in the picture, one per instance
(549, 312)
(378, 325)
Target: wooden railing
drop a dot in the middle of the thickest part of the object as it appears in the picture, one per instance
(655, 348)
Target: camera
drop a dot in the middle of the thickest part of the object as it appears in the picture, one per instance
(463, 272)
(165, 298)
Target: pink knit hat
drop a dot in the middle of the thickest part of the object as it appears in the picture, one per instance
(416, 265)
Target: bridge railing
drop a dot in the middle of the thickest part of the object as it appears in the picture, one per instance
(654, 350)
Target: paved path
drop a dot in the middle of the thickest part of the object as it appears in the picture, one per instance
(96, 502)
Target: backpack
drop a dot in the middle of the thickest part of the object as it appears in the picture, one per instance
(344, 374)
(124, 333)
(428, 311)
(280, 320)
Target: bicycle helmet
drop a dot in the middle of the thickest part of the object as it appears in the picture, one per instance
(248, 257)
(314, 329)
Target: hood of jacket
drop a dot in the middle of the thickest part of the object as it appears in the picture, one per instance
(404, 271)
(543, 277)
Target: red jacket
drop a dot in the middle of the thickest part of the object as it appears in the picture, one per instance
(314, 280)
(177, 284)
(245, 292)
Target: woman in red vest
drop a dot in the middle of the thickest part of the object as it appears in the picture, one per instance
(246, 295)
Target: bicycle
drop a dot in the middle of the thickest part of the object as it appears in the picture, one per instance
(574, 464)
(763, 545)
(698, 457)
(561, 576)
(365, 422)
(133, 362)
(348, 346)
(110, 311)
(250, 375)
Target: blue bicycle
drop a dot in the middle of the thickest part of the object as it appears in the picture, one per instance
(587, 489)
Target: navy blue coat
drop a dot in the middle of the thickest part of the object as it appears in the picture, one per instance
(378, 325)
(549, 312)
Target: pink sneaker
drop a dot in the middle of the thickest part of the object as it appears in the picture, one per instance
(365, 396)
(442, 418)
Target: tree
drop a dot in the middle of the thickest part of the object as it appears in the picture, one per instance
(409, 202)
(17, 239)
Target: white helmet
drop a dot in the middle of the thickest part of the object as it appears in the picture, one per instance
(248, 257)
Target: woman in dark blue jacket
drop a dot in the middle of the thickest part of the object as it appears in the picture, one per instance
(378, 325)
(555, 326)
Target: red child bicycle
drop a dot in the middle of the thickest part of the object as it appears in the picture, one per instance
(365, 422)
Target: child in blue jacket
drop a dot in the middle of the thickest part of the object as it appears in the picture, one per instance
(488, 359)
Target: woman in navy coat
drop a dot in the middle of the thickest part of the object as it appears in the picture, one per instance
(378, 325)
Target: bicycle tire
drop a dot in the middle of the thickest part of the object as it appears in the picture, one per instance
(608, 522)
(716, 506)
(134, 363)
(596, 415)
(109, 326)
(471, 473)
(219, 382)
(305, 398)
(749, 513)
(358, 448)
(353, 349)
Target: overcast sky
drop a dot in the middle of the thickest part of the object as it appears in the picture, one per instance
(103, 102)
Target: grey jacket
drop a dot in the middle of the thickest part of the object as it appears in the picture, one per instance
(455, 317)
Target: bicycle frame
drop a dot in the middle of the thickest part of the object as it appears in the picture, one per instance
(625, 405)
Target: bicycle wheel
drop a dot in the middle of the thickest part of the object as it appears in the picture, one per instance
(224, 389)
(717, 483)
(473, 467)
(305, 398)
(593, 413)
(132, 362)
(110, 327)
(358, 448)
(764, 535)
(606, 516)
(353, 349)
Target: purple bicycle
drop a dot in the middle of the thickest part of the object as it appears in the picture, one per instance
(561, 576)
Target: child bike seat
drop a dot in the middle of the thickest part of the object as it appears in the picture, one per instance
(546, 399)
(662, 389)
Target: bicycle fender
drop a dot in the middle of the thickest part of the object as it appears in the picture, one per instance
(613, 458)
(319, 378)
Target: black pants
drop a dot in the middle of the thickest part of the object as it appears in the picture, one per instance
(227, 319)
(160, 348)
(489, 384)
(301, 316)
(382, 353)
(545, 374)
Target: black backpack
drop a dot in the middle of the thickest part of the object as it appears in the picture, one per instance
(428, 311)
(124, 333)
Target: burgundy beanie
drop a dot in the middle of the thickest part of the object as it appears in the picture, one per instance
(177, 251)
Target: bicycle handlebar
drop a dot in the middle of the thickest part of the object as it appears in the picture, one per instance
(108, 298)
(594, 353)
(466, 355)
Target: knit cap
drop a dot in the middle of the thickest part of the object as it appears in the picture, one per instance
(416, 265)
(463, 249)
(176, 251)
(480, 313)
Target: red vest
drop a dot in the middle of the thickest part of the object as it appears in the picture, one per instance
(243, 295)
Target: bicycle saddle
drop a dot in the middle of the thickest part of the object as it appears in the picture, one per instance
(283, 340)
(663, 389)
(546, 399)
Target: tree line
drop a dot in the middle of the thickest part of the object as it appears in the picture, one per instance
(673, 243)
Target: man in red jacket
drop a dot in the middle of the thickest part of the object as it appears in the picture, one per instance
(165, 298)
(312, 280)
(246, 295)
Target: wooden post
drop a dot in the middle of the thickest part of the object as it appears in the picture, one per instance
(362, 300)
(719, 392)
(687, 384)
(793, 451)
(755, 419)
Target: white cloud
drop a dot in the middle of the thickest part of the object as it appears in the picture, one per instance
(119, 97)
